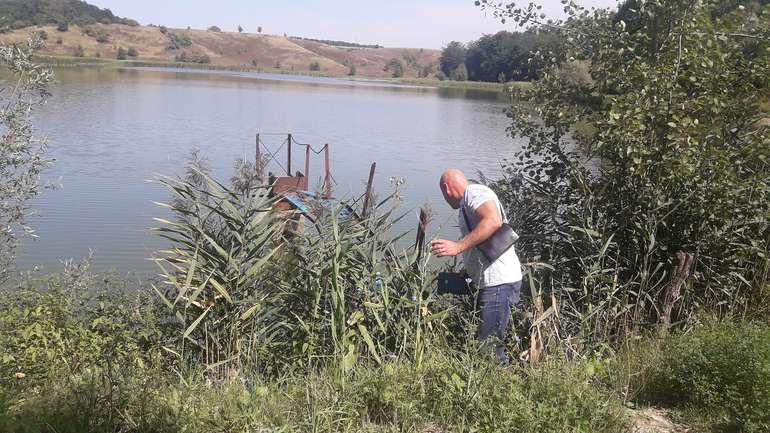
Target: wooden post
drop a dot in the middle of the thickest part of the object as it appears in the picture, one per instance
(328, 173)
(368, 195)
(422, 227)
(258, 161)
(307, 166)
(288, 157)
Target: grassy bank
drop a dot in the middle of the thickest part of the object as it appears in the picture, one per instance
(475, 85)
(65, 61)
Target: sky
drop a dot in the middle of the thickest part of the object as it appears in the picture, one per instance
(392, 23)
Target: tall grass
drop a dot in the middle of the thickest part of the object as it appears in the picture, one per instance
(256, 288)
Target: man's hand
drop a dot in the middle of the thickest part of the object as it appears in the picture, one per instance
(445, 248)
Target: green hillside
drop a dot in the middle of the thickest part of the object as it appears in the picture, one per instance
(18, 14)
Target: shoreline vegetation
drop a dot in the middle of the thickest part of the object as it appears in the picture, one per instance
(70, 61)
(647, 283)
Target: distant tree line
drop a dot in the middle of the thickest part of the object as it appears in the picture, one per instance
(337, 43)
(504, 56)
(16, 14)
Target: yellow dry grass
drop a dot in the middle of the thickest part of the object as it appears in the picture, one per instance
(228, 49)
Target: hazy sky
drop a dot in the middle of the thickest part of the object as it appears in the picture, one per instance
(392, 23)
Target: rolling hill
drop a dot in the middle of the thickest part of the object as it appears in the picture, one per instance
(74, 28)
(247, 50)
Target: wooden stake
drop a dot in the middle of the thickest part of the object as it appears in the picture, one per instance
(258, 161)
(328, 174)
(422, 227)
(368, 196)
(307, 167)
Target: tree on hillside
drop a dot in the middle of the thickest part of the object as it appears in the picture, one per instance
(426, 71)
(315, 66)
(63, 27)
(122, 54)
(215, 29)
(259, 29)
(177, 41)
(396, 68)
(240, 29)
(452, 56)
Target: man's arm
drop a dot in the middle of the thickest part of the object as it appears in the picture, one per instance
(489, 221)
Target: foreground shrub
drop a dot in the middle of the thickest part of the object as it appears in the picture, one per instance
(22, 153)
(73, 326)
(719, 375)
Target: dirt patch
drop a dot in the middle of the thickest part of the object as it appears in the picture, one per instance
(652, 420)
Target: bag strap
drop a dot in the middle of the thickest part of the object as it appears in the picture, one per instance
(465, 215)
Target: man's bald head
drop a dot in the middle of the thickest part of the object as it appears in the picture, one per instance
(453, 184)
(453, 175)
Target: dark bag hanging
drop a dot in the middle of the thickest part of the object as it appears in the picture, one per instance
(453, 283)
(501, 240)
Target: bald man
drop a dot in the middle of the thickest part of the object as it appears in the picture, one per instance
(499, 282)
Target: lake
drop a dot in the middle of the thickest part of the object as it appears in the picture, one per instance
(112, 130)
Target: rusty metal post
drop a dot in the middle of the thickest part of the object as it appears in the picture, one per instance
(307, 166)
(328, 173)
(258, 161)
(288, 158)
(368, 195)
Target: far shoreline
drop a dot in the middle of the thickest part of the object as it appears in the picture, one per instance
(70, 61)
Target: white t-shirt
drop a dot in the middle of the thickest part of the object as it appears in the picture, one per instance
(506, 269)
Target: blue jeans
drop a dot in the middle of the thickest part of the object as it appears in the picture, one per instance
(495, 303)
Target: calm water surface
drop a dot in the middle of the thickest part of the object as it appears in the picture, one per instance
(112, 130)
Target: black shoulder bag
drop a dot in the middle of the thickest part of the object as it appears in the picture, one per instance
(501, 240)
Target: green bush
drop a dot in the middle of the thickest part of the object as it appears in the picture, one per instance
(395, 67)
(73, 326)
(673, 174)
(102, 37)
(176, 41)
(719, 375)
(193, 58)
